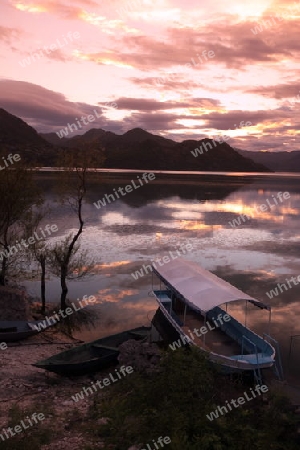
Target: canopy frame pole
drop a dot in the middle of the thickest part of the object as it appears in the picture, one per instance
(184, 314)
(205, 326)
(291, 342)
(269, 325)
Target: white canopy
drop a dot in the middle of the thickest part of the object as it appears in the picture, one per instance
(200, 288)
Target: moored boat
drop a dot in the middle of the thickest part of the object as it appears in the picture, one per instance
(191, 300)
(13, 331)
(92, 356)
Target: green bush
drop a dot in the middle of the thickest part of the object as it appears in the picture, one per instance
(174, 403)
(31, 438)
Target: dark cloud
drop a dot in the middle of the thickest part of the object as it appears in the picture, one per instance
(58, 55)
(49, 111)
(229, 119)
(237, 48)
(269, 142)
(177, 83)
(284, 90)
(42, 108)
(9, 35)
(142, 104)
(153, 121)
(234, 44)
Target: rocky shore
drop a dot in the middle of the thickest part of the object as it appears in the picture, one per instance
(25, 390)
(27, 387)
(30, 388)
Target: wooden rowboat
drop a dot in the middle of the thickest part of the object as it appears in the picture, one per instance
(12, 331)
(92, 356)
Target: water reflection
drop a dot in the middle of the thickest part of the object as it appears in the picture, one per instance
(127, 233)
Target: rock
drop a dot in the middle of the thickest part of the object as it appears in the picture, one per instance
(103, 421)
(68, 403)
(143, 357)
(14, 304)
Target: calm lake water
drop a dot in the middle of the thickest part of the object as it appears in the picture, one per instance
(171, 211)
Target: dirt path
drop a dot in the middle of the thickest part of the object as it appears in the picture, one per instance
(29, 387)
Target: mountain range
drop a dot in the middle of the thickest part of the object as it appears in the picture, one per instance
(16, 136)
(275, 161)
(135, 149)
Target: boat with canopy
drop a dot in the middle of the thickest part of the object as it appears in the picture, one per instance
(191, 299)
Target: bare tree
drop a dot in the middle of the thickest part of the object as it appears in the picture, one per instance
(18, 192)
(66, 260)
(38, 251)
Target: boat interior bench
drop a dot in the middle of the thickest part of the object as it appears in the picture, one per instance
(8, 330)
(164, 295)
(260, 358)
(239, 333)
(106, 347)
(176, 318)
(137, 334)
(166, 301)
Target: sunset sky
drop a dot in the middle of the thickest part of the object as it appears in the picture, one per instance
(184, 69)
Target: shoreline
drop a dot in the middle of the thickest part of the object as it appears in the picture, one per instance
(29, 388)
(179, 172)
(34, 390)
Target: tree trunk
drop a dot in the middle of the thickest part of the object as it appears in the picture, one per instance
(64, 287)
(4, 260)
(3, 271)
(43, 283)
(64, 267)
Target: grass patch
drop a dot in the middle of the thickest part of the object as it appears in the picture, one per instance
(31, 438)
(174, 403)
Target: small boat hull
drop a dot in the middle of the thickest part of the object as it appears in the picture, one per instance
(92, 356)
(13, 331)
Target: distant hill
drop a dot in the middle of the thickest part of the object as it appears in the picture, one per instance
(99, 136)
(14, 131)
(95, 135)
(155, 152)
(275, 161)
(139, 149)
(52, 138)
(17, 136)
(135, 149)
